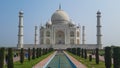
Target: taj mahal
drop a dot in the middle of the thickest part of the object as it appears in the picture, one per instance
(60, 32)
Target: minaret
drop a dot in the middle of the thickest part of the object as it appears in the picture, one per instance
(83, 35)
(35, 42)
(59, 6)
(99, 43)
(20, 30)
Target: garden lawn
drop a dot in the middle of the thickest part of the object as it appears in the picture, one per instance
(87, 63)
(31, 63)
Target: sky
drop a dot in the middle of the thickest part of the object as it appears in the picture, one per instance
(37, 12)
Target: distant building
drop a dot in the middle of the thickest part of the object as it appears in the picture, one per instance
(61, 32)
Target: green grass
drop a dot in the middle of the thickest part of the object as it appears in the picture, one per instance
(31, 63)
(87, 63)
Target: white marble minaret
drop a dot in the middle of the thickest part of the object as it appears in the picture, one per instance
(99, 42)
(35, 40)
(83, 35)
(20, 30)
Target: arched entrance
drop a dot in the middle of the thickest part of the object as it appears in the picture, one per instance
(60, 37)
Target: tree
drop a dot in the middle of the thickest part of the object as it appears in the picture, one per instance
(33, 53)
(108, 57)
(37, 53)
(97, 56)
(90, 57)
(85, 53)
(22, 56)
(10, 58)
(2, 51)
(78, 51)
(29, 54)
(116, 57)
(82, 53)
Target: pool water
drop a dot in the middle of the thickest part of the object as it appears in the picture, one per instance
(60, 60)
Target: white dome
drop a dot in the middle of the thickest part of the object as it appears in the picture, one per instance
(59, 16)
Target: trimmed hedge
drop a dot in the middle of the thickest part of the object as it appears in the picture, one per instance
(90, 57)
(108, 56)
(82, 53)
(21, 56)
(78, 51)
(116, 57)
(10, 58)
(29, 54)
(85, 53)
(2, 51)
(33, 53)
(97, 56)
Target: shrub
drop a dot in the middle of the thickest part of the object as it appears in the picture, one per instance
(33, 53)
(90, 57)
(2, 51)
(108, 57)
(78, 51)
(29, 54)
(10, 58)
(116, 57)
(97, 56)
(85, 53)
(37, 53)
(21, 56)
(82, 53)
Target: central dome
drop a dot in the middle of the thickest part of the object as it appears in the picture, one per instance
(60, 16)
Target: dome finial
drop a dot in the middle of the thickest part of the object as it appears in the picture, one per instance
(59, 6)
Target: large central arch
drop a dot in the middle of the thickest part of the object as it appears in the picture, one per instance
(60, 37)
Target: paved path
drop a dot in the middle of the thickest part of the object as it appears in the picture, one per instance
(76, 62)
(42, 63)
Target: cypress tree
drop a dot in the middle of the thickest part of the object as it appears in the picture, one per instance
(10, 58)
(82, 53)
(29, 54)
(33, 53)
(21, 56)
(43, 51)
(2, 51)
(97, 56)
(78, 51)
(108, 57)
(90, 57)
(116, 57)
(37, 53)
(46, 50)
(85, 53)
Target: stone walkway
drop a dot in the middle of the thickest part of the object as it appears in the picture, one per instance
(76, 62)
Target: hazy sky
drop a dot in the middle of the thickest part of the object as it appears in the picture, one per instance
(40, 11)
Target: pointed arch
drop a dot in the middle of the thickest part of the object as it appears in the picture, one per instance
(41, 33)
(47, 41)
(48, 33)
(78, 34)
(71, 34)
(41, 41)
(78, 41)
(71, 41)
